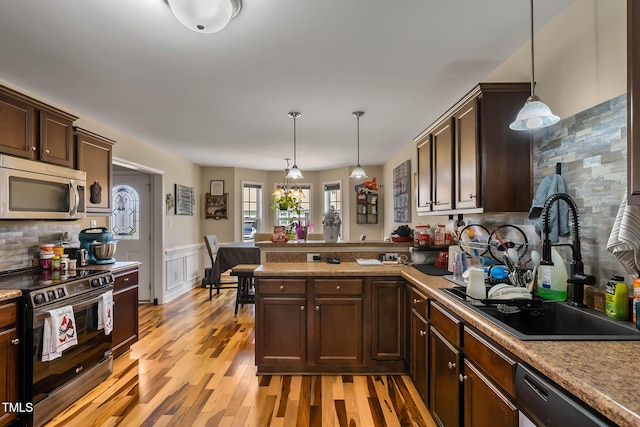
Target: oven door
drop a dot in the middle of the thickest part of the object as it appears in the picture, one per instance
(92, 348)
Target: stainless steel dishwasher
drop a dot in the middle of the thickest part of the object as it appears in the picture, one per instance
(543, 403)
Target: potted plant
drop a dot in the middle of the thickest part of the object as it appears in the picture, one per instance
(331, 225)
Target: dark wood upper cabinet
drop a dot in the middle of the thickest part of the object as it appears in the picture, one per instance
(34, 130)
(633, 102)
(478, 163)
(95, 154)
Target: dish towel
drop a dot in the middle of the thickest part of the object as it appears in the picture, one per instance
(105, 312)
(624, 240)
(558, 212)
(59, 332)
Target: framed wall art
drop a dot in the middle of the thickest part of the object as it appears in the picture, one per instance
(402, 192)
(216, 187)
(216, 206)
(184, 200)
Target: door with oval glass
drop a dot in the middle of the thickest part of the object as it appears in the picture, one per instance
(131, 223)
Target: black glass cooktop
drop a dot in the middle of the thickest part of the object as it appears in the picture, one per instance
(30, 279)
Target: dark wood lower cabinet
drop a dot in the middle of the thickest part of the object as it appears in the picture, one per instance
(337, 331)
(444, 387)
(125, 311)
(484, 404)
(420, 355)
(281, 331)
(8, 360)
(330, 324)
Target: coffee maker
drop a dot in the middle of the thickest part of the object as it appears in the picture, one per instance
(81, 255)
(99, 244)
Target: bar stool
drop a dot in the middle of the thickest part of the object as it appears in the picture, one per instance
(246, 292)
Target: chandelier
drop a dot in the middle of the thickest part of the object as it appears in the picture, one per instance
(286, 190)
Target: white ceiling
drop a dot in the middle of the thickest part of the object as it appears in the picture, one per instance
(222, 99)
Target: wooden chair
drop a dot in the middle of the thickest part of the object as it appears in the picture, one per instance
(211, 242)
(246, 291)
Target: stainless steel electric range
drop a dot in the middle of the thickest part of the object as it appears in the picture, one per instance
(49, 387)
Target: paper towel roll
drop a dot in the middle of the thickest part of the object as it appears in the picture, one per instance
(452, 227)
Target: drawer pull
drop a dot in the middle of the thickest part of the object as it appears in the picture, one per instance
(451, 365)
(126, 279)
(338, 288)
(15, 341)
(423, 333)
(282, 287)
(416, 300)
(462, 378)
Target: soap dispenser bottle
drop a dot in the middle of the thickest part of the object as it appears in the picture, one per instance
(552, 279)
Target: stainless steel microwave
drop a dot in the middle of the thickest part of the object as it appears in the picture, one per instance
(35, 190)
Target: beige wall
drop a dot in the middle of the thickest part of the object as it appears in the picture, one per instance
(580, 61)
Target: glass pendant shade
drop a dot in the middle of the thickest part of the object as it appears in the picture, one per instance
(294, 173)
(358, 172)
(534, 115)
(204, 16)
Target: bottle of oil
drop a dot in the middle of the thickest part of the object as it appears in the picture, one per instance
(617, 298)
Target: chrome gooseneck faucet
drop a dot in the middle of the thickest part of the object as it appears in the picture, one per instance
(577, 278)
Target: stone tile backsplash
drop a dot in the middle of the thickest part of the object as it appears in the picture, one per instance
(19, 243)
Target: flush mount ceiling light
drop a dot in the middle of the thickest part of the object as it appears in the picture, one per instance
(294, 172)
(535, 114)
(205, 16)
(358, 172)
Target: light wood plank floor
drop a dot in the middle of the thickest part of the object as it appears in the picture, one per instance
(194, 365)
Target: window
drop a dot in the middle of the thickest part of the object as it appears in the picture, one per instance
(125, 217)
(333, 196)
(285, 217)
(251, 208)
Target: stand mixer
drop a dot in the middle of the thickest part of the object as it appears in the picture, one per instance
(99, 244)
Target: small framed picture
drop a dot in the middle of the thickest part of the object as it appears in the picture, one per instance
(216, 187)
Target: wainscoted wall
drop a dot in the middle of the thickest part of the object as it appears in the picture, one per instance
(184, 270)
(19, 243)
(592, 149)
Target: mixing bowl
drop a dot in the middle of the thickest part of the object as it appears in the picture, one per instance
(103, 250)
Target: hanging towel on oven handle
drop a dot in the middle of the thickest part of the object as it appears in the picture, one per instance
(105, 312)
(59, 332)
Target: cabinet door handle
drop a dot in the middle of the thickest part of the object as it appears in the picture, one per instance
(282, 287)
(33, 148)
(423, 333)
(338, 288)
(451, 365)
(15, 341)
(415, 300)
(317, 308)
(472, 196)
(302, 307)
(46, 151)
(462, 378)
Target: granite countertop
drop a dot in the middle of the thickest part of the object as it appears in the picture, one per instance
(115, 267)
(7, 294)
(599, 373)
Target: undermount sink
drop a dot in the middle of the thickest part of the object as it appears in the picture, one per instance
(540, 320)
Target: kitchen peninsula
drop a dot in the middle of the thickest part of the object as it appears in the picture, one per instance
(321, 318)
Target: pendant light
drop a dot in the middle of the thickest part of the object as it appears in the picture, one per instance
(535, 114)
(294, 172)
(358, 172)
(204, 16)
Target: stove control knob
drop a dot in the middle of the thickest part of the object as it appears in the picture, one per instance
(95, 282)
(108, 279)
(39, 298)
